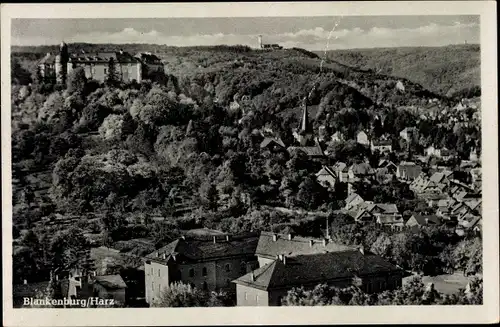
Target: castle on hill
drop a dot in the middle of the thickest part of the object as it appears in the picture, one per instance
(127, 68)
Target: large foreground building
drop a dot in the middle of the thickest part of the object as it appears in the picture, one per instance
(262, 268)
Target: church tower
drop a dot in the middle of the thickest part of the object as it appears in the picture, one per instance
(61, 65)
(304, 134)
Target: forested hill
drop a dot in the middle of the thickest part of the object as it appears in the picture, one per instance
(445, 70)
(274, 80)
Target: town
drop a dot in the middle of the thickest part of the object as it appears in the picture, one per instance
(233, 178)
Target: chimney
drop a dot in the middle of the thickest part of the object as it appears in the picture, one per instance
(121, 51)
(157, 254)
(215, 239)
(252, 276)
(183, 237)
(164, 256)
(362, 249)
(275, 237)
(283, 259)
(311, 242)
(228, 238)
(324, 242)
(25, 282)
(289, 236)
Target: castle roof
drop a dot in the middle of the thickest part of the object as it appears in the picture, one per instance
(104, 57)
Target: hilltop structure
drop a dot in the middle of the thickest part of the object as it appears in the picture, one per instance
(98, 66)
(268, 46)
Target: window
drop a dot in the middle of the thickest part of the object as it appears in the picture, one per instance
(205, 286)
(257, 298)
(228, 267)
(105, 71)
(153, 286)
(204, 271)
(191, 272)
(246, 296)
(158, 272)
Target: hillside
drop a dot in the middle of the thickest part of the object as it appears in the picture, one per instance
(444, 70)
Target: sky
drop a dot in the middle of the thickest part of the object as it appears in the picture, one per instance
(312, 33)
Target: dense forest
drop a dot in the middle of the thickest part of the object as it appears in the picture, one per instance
(126, 161)
(453, 70)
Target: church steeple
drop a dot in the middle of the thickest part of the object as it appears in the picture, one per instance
(305, 126)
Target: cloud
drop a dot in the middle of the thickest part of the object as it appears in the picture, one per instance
(314, 39)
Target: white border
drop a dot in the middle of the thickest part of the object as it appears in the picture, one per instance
(489, 312)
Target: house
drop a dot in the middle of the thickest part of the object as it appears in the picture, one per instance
(443, 153)
(110, 287)
(97, 65)
(381, 145)
(151, 63)
(409, 134)
(408, 171)
(362, 138)
(313, 152)
(473, 155)
(272, 143)
(341, 170)
(383, 175)
(382, 213)
(269, 284)
(352, 201)
(209, 263)
(337, 137)
(388, 164)
(419, 184)
(271, 245)
(417, 220)
(326, 177)
(476, 175)
(393, 222)
(360, 170)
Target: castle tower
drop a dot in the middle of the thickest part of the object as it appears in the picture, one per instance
(260, 41)
(61, 64)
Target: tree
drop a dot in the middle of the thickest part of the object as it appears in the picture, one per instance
(181, 295)
(76, 80)
(19, 75)
(112, 75)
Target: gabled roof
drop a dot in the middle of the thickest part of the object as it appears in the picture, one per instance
(340, 166)
(269, 140)
(48, 59)
(351, 197)
(389, 219)
(325, 170)
(312, 151)
(149, 58)
(192, 249)
(269, 248)
(110, 281)
(424, 219)
(437, 177)
(296, 271)
(387, 208)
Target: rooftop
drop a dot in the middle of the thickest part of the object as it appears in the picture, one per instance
(270, 247)
(111, 281)
(189, 249)
(296, 271)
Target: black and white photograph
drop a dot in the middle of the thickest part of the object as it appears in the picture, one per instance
(237, 161)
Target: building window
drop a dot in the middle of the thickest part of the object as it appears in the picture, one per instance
(256, 298)
(191, 272)
(158, 272)
(105, 71)
(246, 296)
(205, 286)
(152, 286)
(204, 271)
(228, 267)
